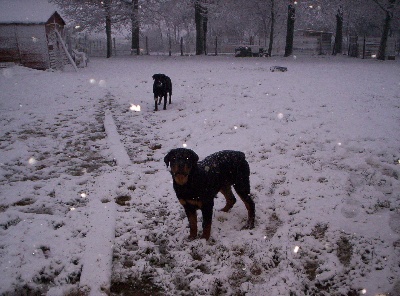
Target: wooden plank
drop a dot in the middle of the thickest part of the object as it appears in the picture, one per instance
(66, 51)
(32, 44)
(9, 51)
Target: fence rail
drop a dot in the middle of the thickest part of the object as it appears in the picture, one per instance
(363, 47)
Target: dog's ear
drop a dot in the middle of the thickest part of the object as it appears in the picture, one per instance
(154, 76)
(167, 158)
(194, 158)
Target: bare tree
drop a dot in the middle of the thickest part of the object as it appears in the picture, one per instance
(290, 30)
(93, 15)
(265, 13)
(233, 20)
(201, 19)
(337, 47)
(388, 6)
(272, 27)
(107, 8)
(135, 27)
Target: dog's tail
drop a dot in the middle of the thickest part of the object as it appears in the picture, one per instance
(170, 86)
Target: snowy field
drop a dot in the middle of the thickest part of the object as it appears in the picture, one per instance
(87, 205)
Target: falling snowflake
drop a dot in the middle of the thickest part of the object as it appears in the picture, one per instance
(32, 161)
(102, 83)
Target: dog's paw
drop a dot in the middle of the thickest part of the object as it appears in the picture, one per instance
(249, 225)
(191, 238)
(228, 206)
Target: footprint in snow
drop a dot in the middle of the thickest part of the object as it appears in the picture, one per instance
(351, 208)
(394, 222)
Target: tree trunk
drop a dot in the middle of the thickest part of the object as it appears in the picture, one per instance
(135, 27)
(107, 7)
(385, 35)
(386, 27)
(201, 26)
(201, 20)
(337, 47)
(205, 27)
(290, 30)
(271, 33)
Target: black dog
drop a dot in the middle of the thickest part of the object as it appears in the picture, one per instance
(196, 184)
(161, 87)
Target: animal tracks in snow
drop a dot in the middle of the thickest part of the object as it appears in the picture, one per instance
(324, 175)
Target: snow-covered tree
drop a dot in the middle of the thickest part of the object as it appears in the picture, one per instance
(95, 15)
(197, 20)
(389, 7)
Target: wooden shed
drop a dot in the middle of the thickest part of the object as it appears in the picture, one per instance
(312, 42)
(31, 34)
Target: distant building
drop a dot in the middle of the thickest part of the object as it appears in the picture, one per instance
(31, 34)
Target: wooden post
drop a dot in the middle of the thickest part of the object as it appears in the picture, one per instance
(364, 45)
(216, 45)
(86, 45)
(169, 44)
(181, 46)
(320, 44)
(147, 46)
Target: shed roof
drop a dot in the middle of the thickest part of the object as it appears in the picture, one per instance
(26, 11)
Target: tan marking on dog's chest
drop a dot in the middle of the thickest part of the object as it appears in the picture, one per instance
(192, 202)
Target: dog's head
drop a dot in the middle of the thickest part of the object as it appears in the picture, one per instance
(159, 80)
(182, 161)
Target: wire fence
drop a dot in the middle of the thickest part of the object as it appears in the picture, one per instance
(305, 43)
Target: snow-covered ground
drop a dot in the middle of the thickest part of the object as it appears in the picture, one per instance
(87, 205)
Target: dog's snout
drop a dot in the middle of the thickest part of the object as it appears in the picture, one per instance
(181, 164)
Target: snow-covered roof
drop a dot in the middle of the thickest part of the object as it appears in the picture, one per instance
(26, 11)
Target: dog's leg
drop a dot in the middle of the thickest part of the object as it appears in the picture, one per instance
(170, 97)
(192, 217)
(165, 101)
(243, 190)
(207, 210)
(159, 100)
(230, 198)
(155, 105)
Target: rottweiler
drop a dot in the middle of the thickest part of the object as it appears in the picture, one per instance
(162, 86)
(196, 184)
